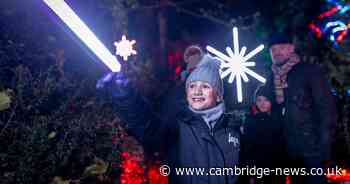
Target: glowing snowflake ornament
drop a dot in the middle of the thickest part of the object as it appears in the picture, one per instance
(124, 48)
(235, 64)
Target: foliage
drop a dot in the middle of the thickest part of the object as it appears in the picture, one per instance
(53, 125)
(51, 130)
(5, 100)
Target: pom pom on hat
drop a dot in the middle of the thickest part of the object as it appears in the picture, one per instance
(192, 56)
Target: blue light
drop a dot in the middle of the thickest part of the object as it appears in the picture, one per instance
(348, 92)
(344, 9)
(335, 30)
(334, 92)
(340, 28)
(334, 2)
(334, 24)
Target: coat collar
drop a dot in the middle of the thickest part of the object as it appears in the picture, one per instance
(190, 118)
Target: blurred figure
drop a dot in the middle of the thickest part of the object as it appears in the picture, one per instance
(310, 116)
(262, 141)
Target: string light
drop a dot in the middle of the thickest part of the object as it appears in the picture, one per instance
(316, 29)
(329, 12)
(331, 24)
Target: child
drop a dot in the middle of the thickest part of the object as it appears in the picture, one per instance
(201, 135)
(262, 143)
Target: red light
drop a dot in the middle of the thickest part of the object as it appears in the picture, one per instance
(134, 173)
(288, 181)
(329, 12)
(341, 36)
(345, 176)
(154, 176)
(316, 29)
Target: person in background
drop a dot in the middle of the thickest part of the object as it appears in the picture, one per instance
(262, 143)
(309, 110)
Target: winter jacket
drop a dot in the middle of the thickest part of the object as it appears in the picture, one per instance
(310, 113)
(174, 101)
(185, 141)
(262, 143)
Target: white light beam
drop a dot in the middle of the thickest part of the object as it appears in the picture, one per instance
(72, 20)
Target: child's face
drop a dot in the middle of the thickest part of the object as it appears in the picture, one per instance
(201, 96)
(263, 104)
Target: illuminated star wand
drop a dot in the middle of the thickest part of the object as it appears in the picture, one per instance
(68, 16)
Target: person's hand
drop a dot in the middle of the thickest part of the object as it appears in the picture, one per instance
(101, 83)
(115, 83)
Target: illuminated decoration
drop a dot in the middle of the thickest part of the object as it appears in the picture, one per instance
(348, 92)
(288, 180)
(124, 48)
(334, 23)
(344, 176)
(235, 64)
(316, 30)
(344, 9)
(335, 3)
(336, 26)
(334, 92)
(330, 12)
(68, 16)
(133, 171)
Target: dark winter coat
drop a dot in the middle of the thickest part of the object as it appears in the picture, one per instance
(174, 101)
(310, 113)
(262, 143)
(186, 140)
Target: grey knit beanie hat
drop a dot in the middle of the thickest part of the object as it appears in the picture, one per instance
(208, 71)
